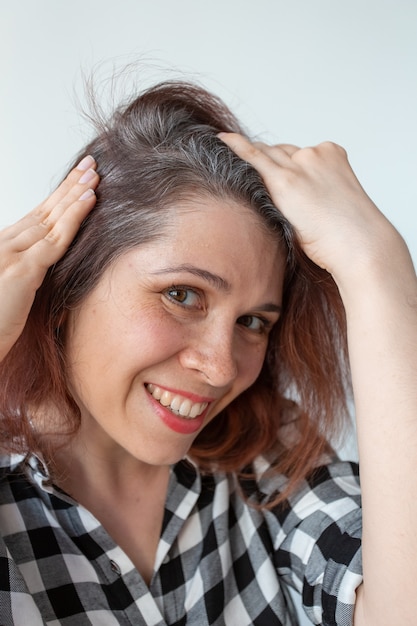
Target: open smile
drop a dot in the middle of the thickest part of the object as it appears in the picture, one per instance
(176, 403)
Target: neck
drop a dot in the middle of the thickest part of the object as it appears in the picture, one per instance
(84, 471)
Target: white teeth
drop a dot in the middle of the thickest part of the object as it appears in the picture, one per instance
(195, 410)
(166, 398)
(185, 408)
(176, 403)
(156, 392)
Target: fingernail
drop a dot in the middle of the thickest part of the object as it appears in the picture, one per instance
(87, 194)
(85, 163)
(88, 175)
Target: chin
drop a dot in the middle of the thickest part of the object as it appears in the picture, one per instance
(162, 459)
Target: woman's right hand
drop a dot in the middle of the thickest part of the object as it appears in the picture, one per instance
(37, 241)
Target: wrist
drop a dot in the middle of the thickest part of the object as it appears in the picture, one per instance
(381, 269)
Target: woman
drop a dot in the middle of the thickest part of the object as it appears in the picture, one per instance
(170, 384)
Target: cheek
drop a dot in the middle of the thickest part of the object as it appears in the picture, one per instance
(251, 365)
(156, 335)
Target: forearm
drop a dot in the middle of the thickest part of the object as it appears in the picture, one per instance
(381, 313)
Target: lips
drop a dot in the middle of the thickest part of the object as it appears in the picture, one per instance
(176, 403)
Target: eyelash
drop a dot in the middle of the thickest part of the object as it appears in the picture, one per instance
(184, 289)
(265, 324)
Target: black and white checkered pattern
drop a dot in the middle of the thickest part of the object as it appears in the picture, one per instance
(219, 561)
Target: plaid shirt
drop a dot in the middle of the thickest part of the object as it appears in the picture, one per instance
(219, 560)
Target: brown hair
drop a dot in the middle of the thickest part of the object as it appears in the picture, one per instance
(153, 152)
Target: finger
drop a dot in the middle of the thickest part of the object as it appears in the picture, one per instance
(28, 267)
(78, 180)
(64, 216)
(276, 151)
(45, 243)
(259, 154)
(271, 162)
(42, 211)
(289, 148)
(22, 272)
(37, 229)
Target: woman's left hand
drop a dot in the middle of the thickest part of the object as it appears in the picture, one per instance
(338, 225)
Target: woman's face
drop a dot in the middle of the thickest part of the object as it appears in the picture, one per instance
(174, 331)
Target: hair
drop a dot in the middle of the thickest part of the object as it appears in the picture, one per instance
(157, 150)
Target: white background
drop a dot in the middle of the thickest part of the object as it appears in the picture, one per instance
(294, 71)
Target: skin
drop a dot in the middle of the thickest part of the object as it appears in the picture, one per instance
(38, 240)
(341, 230)
(152, 319)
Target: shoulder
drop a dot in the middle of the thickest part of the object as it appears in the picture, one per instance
(334, 483)
(9, 463)
(16, 484)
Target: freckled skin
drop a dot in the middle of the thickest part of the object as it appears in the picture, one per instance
(129, 331)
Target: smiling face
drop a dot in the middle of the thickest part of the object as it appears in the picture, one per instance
(173, 332)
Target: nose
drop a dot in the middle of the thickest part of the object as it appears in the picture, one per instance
(213, 355)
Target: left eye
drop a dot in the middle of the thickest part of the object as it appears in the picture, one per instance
(183, 296)
(252, 322)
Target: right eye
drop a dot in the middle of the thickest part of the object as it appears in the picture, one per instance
(184, 296)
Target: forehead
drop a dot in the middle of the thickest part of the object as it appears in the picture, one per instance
(222, 236)
(219, 214)
(225, 245)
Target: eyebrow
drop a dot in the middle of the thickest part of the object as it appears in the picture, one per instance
(214, 279)
(270, 307)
